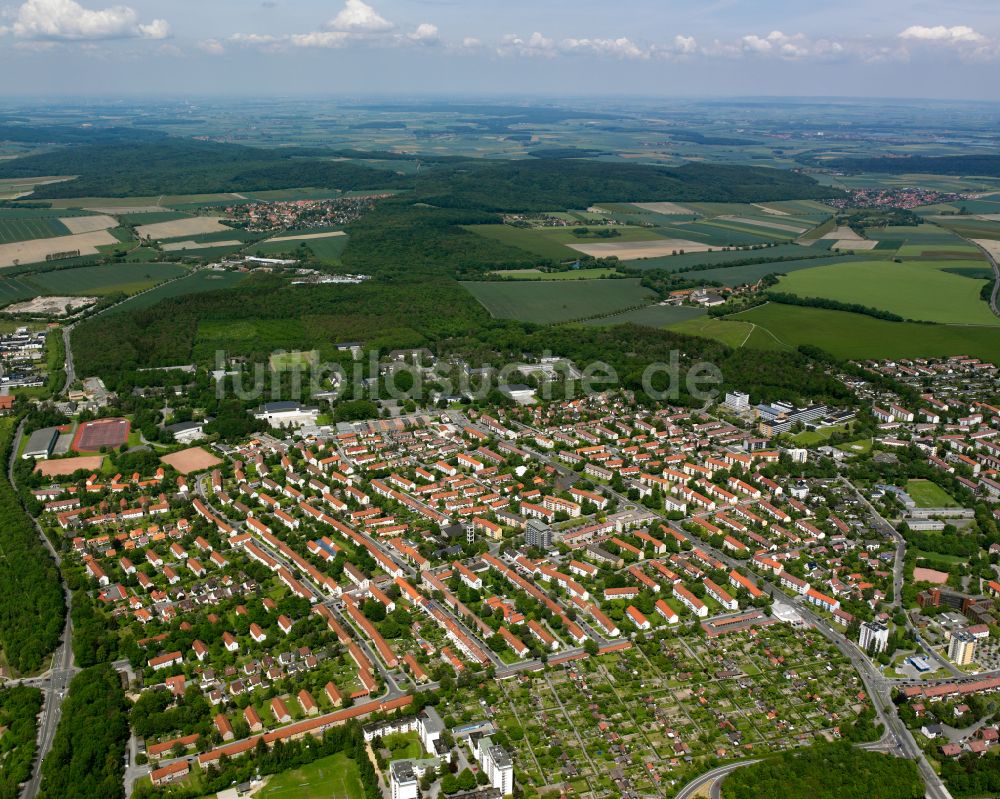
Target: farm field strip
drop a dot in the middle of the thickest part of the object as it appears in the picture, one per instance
(36, 250)
(549, 302)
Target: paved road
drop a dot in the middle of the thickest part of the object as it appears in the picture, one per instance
(55, 682)
(712, 778)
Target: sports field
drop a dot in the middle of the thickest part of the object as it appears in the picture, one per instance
(193, 459)
(548, 302)
(929, 495)
(921, 291)
(334, 777)
(110, 433)
(60, 467)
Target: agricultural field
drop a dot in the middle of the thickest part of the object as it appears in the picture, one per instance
(326, 247)
(673, 263)
(181, 228)
(197, 282)
(538, 274)
(38, 250)
(751, 273)
(922, 291)
(849, 335)
(31, 227)
(651, 316)
(560, 244)
(549, 302)
(106, 278)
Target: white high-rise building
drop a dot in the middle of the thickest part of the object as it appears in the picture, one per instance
(403, 780)
(962, 647)
(874, 637)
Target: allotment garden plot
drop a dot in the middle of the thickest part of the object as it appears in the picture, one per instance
(647, 719)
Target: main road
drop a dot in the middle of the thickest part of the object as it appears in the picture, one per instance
(55, 682)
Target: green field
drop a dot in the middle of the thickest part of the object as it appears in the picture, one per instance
(334, 777)
(652, 316)
(27, 228)
(202, 280)
(327, 250)
(721, 257)
(533, 240)
(106, 278)
(929, 495)
(554, 243)
(810, 438)
(848, 335)
(751, 273)
(536, 274)
(548, 302)
(922, 291)
(731, 333)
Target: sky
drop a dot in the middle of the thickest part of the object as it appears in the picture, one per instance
(552, 48)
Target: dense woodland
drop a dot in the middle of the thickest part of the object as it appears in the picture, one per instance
(121, 168)
(87, 758)
(19, 709)
(834, 771)
(986, 165)
(29, 627)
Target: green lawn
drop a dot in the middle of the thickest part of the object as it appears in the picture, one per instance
(728, 332)
(922, 291)
(334, 777)
(929, 495)
(548, 302)
(810, 438)
(859, 447)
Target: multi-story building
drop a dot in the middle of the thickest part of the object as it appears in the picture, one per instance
(962, 647)
(874, 637)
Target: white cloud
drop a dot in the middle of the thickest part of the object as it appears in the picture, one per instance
(618, 48)
(958, 34)
(359, 17)
(211, 46)
(685, 44)
(540, 45)
(67, 20)
(320, 39)
(425, 33)
(534, 45)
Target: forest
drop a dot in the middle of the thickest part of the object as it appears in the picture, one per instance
(19, 709)
(140, 167)
(29, 628)
(826, 771)
(87, 758)
(986, 165)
